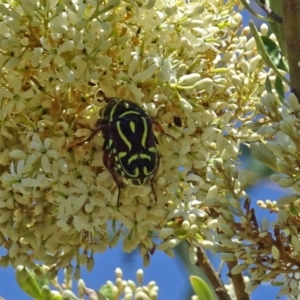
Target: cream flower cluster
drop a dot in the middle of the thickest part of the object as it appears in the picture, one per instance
(39, 286)
(181, 61)
(275, 254)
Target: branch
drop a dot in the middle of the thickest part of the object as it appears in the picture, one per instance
(291, 30)
(269, 11)
(211, 274)
(238, 282)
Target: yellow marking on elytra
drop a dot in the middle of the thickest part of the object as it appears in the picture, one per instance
(145, 133)
(152, 149)
(123, 136)
(126, 104)
(145, 171)
(136, 181)
(137, 156)
(112, 112)
(122, 154)
(137, 172)
(132, 126)
(132, 158)
(145, 156)
(130, 112)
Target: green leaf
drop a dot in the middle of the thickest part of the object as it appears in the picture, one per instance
(46, 293)
(276, 27)
(263, 154)
(272, 50)
(277, 283)
(268, 85)
(27, 282)
(279, 88)
(201, 288)
(69, 295)
(264, 53)
(101, 296)
(274, 53)
(283, 64)
(107, 291)
(56, 295)
(40, 274)
(293, 209)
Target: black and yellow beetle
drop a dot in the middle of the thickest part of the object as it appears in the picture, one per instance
(130, 146)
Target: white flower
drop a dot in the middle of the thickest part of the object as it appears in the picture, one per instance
(15, 177)
(15, 98)
(6, 199)
(43, 153)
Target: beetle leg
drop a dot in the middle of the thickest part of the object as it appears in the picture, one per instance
(109, 163)
(119, 183)
(152, 179)
(153, 192)
(99, 126)
(162, 131)
(119, 186)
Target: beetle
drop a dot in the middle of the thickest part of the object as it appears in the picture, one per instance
(130, 146)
